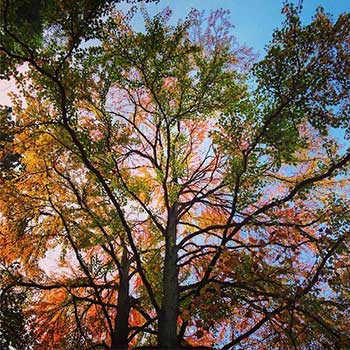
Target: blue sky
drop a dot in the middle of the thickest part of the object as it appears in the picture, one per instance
(254, 20)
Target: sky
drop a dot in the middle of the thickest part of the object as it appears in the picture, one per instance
(254, 20)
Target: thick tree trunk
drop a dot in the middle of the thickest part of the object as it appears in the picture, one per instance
(121, 328)
(167, 327)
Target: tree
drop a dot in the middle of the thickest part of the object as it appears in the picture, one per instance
(190, 206)
(13, 331)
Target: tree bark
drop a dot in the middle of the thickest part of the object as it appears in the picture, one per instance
(121, 328)
(167, 326)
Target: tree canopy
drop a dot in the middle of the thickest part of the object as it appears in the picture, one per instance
(163, 189)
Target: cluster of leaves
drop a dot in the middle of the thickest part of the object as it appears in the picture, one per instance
(9, 159)
(15, 332)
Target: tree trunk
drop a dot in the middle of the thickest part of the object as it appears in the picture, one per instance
(167, 327)
(121, 328)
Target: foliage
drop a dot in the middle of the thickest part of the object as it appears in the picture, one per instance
(184, 196)
(14, 330)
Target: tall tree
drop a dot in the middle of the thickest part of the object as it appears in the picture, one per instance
(184, 193)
